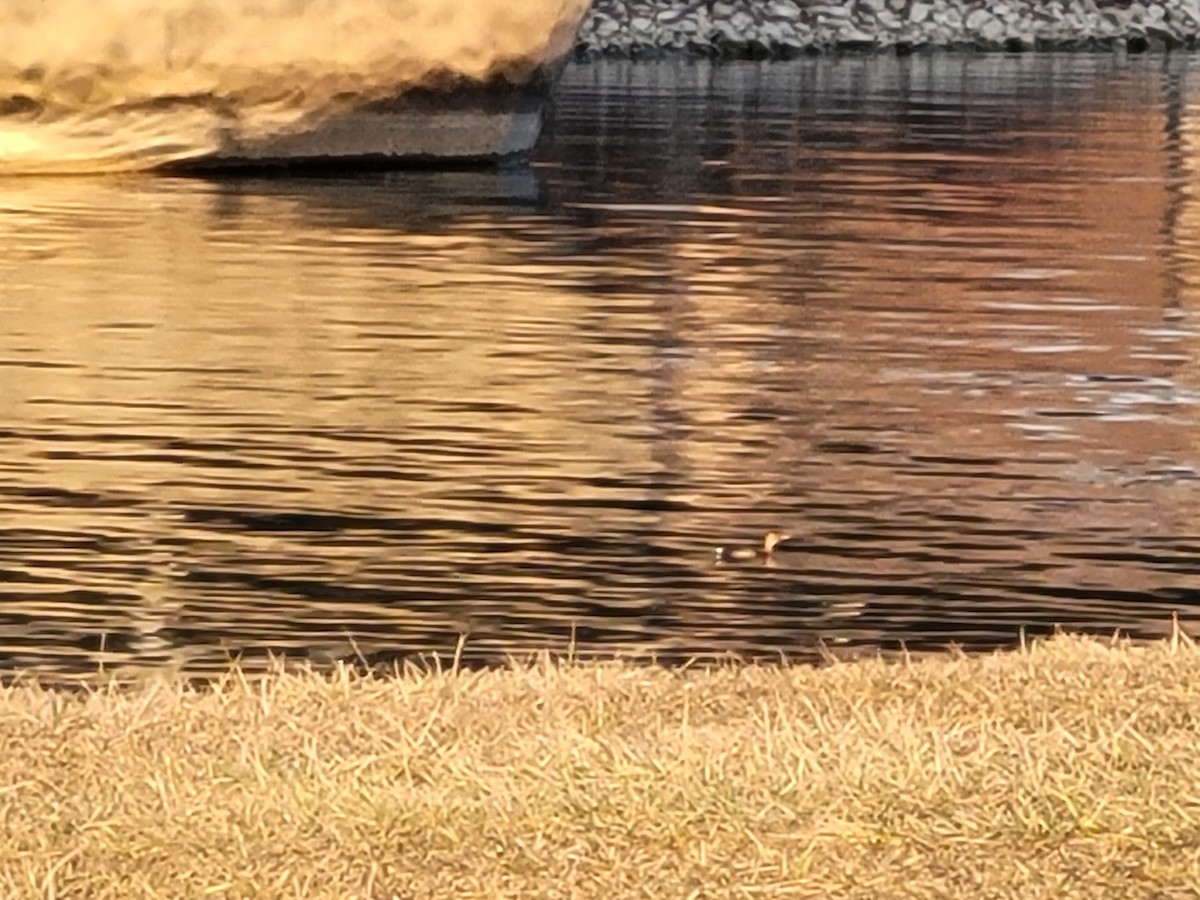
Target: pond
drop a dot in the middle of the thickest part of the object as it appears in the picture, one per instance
(933, 317)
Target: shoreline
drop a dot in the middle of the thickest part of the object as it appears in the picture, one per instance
(753, 29)
(1064, 769)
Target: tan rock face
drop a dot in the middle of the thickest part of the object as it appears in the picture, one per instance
(86, 51)
(114, 79)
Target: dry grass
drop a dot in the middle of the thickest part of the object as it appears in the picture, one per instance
(1065, 770)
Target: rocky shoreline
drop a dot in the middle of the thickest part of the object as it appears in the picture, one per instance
(784, 28)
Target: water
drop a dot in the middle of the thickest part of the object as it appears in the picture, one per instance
(935, 317)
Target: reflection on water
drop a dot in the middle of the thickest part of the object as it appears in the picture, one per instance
(931, 316)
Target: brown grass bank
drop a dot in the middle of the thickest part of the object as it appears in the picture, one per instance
(1065, 770)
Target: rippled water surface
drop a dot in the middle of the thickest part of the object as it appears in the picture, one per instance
(934, 317)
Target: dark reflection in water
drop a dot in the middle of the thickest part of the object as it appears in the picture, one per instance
(931, 316)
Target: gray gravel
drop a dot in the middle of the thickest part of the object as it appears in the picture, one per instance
(764, 28)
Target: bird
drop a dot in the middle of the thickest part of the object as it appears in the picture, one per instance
(746, 554)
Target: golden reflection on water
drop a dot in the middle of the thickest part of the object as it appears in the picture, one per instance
(933, 318)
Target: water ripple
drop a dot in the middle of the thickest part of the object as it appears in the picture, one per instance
(882, 305)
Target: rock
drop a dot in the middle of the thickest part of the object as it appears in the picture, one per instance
(975, 19)
(919, 12)
(851, 36)
(782, 11)
(786, 27)
(643, 31)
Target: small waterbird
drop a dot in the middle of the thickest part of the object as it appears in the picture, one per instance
(746, 554)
